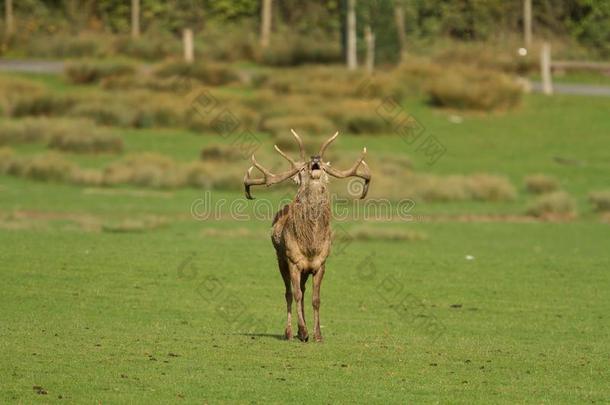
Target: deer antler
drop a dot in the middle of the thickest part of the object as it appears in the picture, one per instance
(326, 143)
(352, 171)
(269, 178)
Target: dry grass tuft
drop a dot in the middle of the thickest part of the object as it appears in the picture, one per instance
(600, 200)
(478, 187)
(213, 74)
(81, 136)
(225, 153)
(541, 183)
(557, 204)
(23, 131)
(469, 88)
(87, 72)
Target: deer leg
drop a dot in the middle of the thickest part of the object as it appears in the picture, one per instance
(295, 277)
(304, 277)
(317, 282)
(288, 295)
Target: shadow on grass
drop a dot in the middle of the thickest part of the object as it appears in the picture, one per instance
(264, 335)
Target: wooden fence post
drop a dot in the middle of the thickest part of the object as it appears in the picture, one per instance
(187, 39)
(545, 66)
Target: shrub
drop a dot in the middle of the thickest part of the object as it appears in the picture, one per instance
(146, 169)
(555, 204)
(6, 159)
(105, 112)
(358, 116)
(23, 131)
(86, 140)
(214, 74)
(48, 104)
(13, 89)
(150, 47)
(87, 177)
(294, 49)
(473, 89)
(600, 200)
(66, 46)
(483, 56)
(478, 187)
(541, 183)
(46, 167)
(220, 153)
(487, 187)
(86, 72)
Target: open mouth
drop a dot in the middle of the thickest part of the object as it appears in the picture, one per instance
(316, 172)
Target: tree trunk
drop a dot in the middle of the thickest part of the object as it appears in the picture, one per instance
(187, 39)
(399, 16)
(135, 18)
(369, 38)
(8, 18)
(527, 22)
(265, 23)
(352, 61)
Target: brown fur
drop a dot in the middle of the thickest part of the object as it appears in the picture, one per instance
(302, 237)
(301, 230)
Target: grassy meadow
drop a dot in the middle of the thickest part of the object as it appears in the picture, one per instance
(496, 290)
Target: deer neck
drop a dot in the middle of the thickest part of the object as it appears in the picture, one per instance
(310, 217)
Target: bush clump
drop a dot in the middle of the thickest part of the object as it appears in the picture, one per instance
(86, 140)
(151, 47)
(541, 183)
(468, 88)
(87, 72)
(477, 187)
(600, 200)
(214, 74)
(551, 205)
(23, 131)
(66, 46)
(47, 104)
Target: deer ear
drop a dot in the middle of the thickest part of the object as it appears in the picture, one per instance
(297, 179)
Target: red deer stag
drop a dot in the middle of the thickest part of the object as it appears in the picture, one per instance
(301, 230)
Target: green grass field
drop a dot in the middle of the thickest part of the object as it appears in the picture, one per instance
(119, 295)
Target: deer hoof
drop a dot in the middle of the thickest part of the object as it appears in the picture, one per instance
(317, 337)
(288, 333)
(303, 335)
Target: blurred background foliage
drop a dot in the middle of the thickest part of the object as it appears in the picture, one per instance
(582, 21)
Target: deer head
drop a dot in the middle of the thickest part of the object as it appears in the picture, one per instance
(306, 172)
